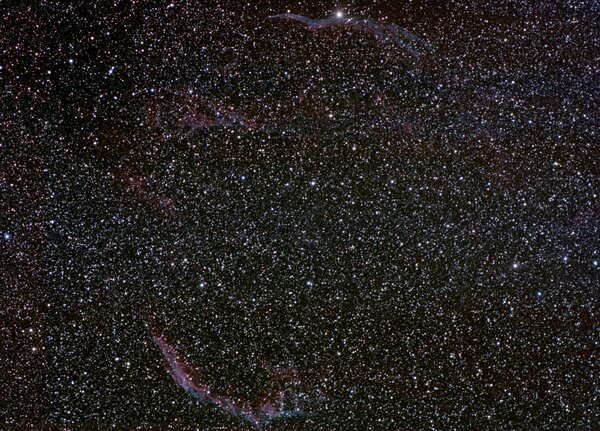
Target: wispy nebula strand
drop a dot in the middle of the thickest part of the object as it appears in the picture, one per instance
(271, 407)
(403, 38)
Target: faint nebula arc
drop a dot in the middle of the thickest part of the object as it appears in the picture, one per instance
(270, 408)
(401, 37)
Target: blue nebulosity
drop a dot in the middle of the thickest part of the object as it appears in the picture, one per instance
(299, 215)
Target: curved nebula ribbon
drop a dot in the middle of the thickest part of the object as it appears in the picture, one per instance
(403, 38)
(257, 416)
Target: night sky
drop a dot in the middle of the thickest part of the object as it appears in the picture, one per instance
(309, 215)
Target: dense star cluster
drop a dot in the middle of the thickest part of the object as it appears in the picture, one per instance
(299, 215)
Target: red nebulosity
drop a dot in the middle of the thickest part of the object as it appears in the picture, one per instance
(137, 184)
(153, 119)
(281, 375)
(274, 403)
(196, 116)
(183, 374)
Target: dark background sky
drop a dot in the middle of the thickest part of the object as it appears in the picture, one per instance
(418, 239)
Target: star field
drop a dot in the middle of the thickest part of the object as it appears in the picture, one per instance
(299, 215)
